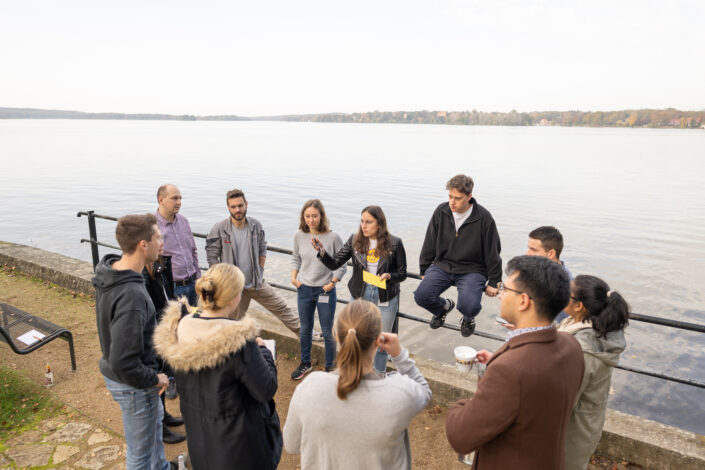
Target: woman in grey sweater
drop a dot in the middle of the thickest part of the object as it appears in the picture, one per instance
(315, 284)
(356, 417)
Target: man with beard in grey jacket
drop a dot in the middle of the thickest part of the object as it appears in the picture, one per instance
(239, 240)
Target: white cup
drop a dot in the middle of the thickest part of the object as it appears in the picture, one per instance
(464, 358)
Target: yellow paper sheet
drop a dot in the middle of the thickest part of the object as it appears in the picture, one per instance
(370, 278)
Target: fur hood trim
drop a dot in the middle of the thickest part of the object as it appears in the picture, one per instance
(225, 337)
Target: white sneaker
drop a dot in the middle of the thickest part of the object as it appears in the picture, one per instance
(317, 336)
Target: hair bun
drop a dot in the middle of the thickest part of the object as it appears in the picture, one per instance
(206, 287)
(208, 295)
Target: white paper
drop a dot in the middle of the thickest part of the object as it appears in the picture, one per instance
(323, 299)
(383, 304)
(272, 346)
(31, 337)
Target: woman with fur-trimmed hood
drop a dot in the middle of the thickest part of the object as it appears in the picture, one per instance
(226, 376)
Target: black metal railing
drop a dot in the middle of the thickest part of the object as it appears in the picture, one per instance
(93, 240)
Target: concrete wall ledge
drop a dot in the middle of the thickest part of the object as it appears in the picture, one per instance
(626, 437)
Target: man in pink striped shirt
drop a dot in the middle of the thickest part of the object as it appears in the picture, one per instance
(178, 242)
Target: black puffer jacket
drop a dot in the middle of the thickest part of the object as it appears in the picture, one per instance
(226, 388)
(394, 264)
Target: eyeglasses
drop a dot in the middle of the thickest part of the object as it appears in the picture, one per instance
(501, 287)
(575, 298)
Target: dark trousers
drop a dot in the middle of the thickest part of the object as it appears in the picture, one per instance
(189, 290)
(436, 281)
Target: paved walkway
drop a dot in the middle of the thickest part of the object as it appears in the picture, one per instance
(64, 442)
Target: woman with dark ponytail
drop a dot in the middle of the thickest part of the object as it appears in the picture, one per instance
(356, 417)
(226, 375)
(597, 317)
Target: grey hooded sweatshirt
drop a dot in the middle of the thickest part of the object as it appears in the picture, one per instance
(126, 320)
(588, 418)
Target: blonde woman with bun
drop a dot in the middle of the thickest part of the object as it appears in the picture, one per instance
(356, 417)
(226, 376)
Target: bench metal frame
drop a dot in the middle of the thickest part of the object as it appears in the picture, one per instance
(12, 316)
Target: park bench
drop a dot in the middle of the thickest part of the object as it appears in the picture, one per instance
(25, 332)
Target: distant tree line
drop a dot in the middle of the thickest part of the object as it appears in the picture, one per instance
(672, 118)
(669, 118)
(29, 113)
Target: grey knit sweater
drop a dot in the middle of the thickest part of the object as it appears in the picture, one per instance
(366, 430)
(313, 273)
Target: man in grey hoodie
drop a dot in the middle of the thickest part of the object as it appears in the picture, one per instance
(239, 240)
(126, 320)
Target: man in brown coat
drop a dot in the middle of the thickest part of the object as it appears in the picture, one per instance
(518, 416)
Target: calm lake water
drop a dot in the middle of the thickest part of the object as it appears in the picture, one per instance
(629, 202)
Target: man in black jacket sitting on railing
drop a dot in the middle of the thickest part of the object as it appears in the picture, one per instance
(461, 249)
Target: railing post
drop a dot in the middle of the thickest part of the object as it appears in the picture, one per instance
(94, 237)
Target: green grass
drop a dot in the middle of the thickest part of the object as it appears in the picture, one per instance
(22, 402)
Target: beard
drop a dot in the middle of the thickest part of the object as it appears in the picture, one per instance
(239, 215)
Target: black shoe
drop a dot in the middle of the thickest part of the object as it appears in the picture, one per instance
(303, 369)
(438, 321)
(172, 421)
(467, 327)
(330, 369)
(171, 389)
(171, 437)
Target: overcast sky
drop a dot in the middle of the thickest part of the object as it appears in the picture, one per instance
(267, 57)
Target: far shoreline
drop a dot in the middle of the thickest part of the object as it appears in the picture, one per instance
(639, 118)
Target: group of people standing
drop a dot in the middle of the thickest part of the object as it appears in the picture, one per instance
(540, 404)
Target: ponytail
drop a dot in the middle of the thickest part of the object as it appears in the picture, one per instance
(607, 310)
(614, 317)
(357, 327)
(349, 364)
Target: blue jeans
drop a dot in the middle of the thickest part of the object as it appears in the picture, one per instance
(142, 416)
(389, 314)
(189, 290)
(308, 298)
(436, 281)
